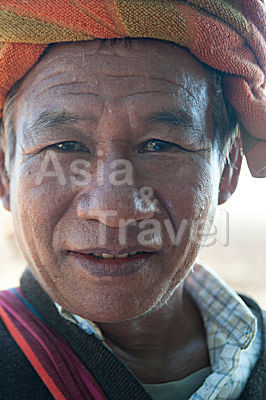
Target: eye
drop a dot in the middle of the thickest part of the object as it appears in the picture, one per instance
(155, 145)
(69, 146)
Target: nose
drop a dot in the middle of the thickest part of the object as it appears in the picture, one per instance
(114, 205)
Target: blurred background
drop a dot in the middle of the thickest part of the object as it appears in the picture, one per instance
(237, 250)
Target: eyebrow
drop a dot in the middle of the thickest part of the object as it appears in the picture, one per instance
(174, 118)
(49, 118)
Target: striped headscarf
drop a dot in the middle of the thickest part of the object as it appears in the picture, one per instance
(228, 35)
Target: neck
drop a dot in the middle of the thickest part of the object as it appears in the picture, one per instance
(167, 343)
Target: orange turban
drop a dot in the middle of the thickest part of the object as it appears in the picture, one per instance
(226, 35)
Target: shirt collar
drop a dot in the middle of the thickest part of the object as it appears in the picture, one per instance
(218, 302)
(88, 326)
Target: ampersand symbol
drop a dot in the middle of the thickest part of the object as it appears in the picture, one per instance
(146, 195)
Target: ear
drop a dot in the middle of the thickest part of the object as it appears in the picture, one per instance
(230, 175)
(4, 182)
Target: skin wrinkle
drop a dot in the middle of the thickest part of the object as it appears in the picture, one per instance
(113, 76)
(146, 309)
(139, 93)
(49, 119)
(43, 275)
(97, 45)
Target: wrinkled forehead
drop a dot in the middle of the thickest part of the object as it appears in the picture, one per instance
(141, 58)
(70, 72)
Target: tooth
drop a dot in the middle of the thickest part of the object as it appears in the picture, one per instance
(122, 255)
(107, 255)
(132, 253)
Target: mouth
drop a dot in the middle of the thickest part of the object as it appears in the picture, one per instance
(107, 264)
(109, 256)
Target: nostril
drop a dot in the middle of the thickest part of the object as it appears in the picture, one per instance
(89, 213)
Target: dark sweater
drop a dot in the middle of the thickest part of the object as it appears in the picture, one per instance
(19, 381)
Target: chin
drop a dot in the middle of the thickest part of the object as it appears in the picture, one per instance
(110, 308)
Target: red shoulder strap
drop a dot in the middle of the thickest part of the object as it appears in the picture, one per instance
(59, 368)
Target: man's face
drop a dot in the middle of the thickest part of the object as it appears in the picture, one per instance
(85, 112)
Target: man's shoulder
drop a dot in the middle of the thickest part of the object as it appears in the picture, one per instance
(260, 314)
(18, 380)
(9, 351)
(256, 385)
(252, 304)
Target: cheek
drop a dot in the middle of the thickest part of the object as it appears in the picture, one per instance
(202, 200)
(185, 183)
(188, 192)
(37, 207)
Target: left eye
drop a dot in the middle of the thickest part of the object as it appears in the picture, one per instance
(155, 145)
(69, 146)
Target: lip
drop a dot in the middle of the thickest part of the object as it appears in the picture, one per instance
(111, 267)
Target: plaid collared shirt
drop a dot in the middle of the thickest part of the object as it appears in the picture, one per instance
(232, 336)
